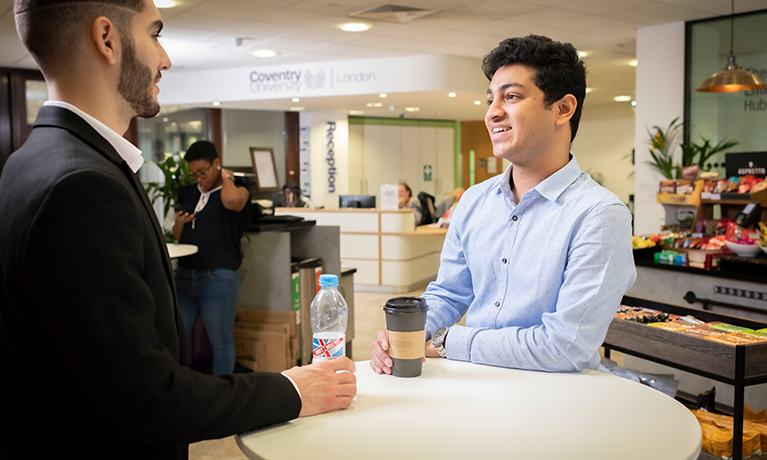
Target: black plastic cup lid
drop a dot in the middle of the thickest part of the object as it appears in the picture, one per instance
(398, 305)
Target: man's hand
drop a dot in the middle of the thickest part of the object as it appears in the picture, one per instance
(379, 357)
(431, 352)
(325, 385)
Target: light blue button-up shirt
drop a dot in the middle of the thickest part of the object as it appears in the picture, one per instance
(540, 280)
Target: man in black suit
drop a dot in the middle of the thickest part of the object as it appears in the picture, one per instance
(91, 339)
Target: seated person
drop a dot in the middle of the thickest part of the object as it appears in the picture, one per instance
(290, 197)
(447, 202)
(406, 200)
(539, 257)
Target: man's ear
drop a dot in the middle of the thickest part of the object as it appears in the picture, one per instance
(107, 39)
(565, 108)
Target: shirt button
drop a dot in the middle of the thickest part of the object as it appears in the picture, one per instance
(498, 304)
(504, 260)
(514, 218)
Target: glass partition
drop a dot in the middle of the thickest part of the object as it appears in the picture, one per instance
(741, 116)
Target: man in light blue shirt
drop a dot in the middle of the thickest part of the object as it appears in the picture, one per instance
(538, 257)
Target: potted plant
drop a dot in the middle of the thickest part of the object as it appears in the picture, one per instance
(694, 156)
(176, 175)
(662, 143)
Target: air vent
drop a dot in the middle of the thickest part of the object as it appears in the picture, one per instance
(392, 13)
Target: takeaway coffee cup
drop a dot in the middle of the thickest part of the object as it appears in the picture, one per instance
(406, 333)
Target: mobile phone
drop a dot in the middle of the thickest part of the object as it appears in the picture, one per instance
(177, 207)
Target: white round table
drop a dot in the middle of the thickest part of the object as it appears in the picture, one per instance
(176, 250)
(458, 410)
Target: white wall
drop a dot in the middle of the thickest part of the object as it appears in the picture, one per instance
(390, 154)
(603, 145)
(319, 125)
(660, 99)
(243, 129)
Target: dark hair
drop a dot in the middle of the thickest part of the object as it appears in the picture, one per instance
(52, 29)
(291, 185)
(201, 150)
(407, 187)
(558, 69)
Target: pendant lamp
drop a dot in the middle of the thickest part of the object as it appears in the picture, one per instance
(732, 78)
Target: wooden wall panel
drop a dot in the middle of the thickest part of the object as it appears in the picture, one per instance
(292, 148)
(474, 137)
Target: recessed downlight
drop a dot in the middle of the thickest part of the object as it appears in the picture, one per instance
(265, 53)
(477, 102)
(412, 109)
(297, 109)
(588, 90)
(451, 94)
(582, 54)
(164, 3)
(622, 98)
(374, 104)
(356, 112)
(633, 63)
(382, 95)
(216, 103)
(296, 99)
(355, 27)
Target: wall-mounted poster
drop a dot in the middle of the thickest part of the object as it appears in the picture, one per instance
(264, 169)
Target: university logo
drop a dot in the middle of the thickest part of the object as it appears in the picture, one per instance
(314, 80)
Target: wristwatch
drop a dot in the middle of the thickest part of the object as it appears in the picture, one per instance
(438, 340)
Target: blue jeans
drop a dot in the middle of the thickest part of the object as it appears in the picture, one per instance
(212, 294)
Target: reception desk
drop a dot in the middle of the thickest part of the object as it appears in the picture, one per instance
(389, 253)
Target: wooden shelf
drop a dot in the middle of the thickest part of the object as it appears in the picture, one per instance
(740, 365)
(729, 207)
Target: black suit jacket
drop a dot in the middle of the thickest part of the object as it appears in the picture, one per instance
(91, 339)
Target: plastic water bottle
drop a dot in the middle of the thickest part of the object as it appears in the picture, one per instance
(329, 316)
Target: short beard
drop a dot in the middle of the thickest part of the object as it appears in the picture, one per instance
(135, 84)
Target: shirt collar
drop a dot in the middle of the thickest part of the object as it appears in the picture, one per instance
(127, 151)
(557, 183)
(551, 187)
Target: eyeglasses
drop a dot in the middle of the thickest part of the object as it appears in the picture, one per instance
(201, 174)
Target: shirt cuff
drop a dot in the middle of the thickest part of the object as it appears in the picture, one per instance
(458, 342)
(294, 386)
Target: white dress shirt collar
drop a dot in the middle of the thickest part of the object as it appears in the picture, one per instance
(127, 151)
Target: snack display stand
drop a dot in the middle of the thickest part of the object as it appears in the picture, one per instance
(703, 203)
(737, 365)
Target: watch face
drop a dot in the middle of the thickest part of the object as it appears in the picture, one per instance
(438, 336)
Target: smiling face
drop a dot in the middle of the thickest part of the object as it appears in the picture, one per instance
(519, 123)
(143, 58)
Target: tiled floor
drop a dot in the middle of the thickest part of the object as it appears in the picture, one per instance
(369, 319)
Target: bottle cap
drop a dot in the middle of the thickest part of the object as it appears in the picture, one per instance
(328, 280)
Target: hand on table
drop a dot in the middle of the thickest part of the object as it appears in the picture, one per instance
(184, 217)
(379, 356)
(323, 387)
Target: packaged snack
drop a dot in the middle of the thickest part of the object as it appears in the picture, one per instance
(667, 186)
(729, 327)
(702, 331)
(672, 325)
(736, 338)
(737, 234)
(684, 186)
